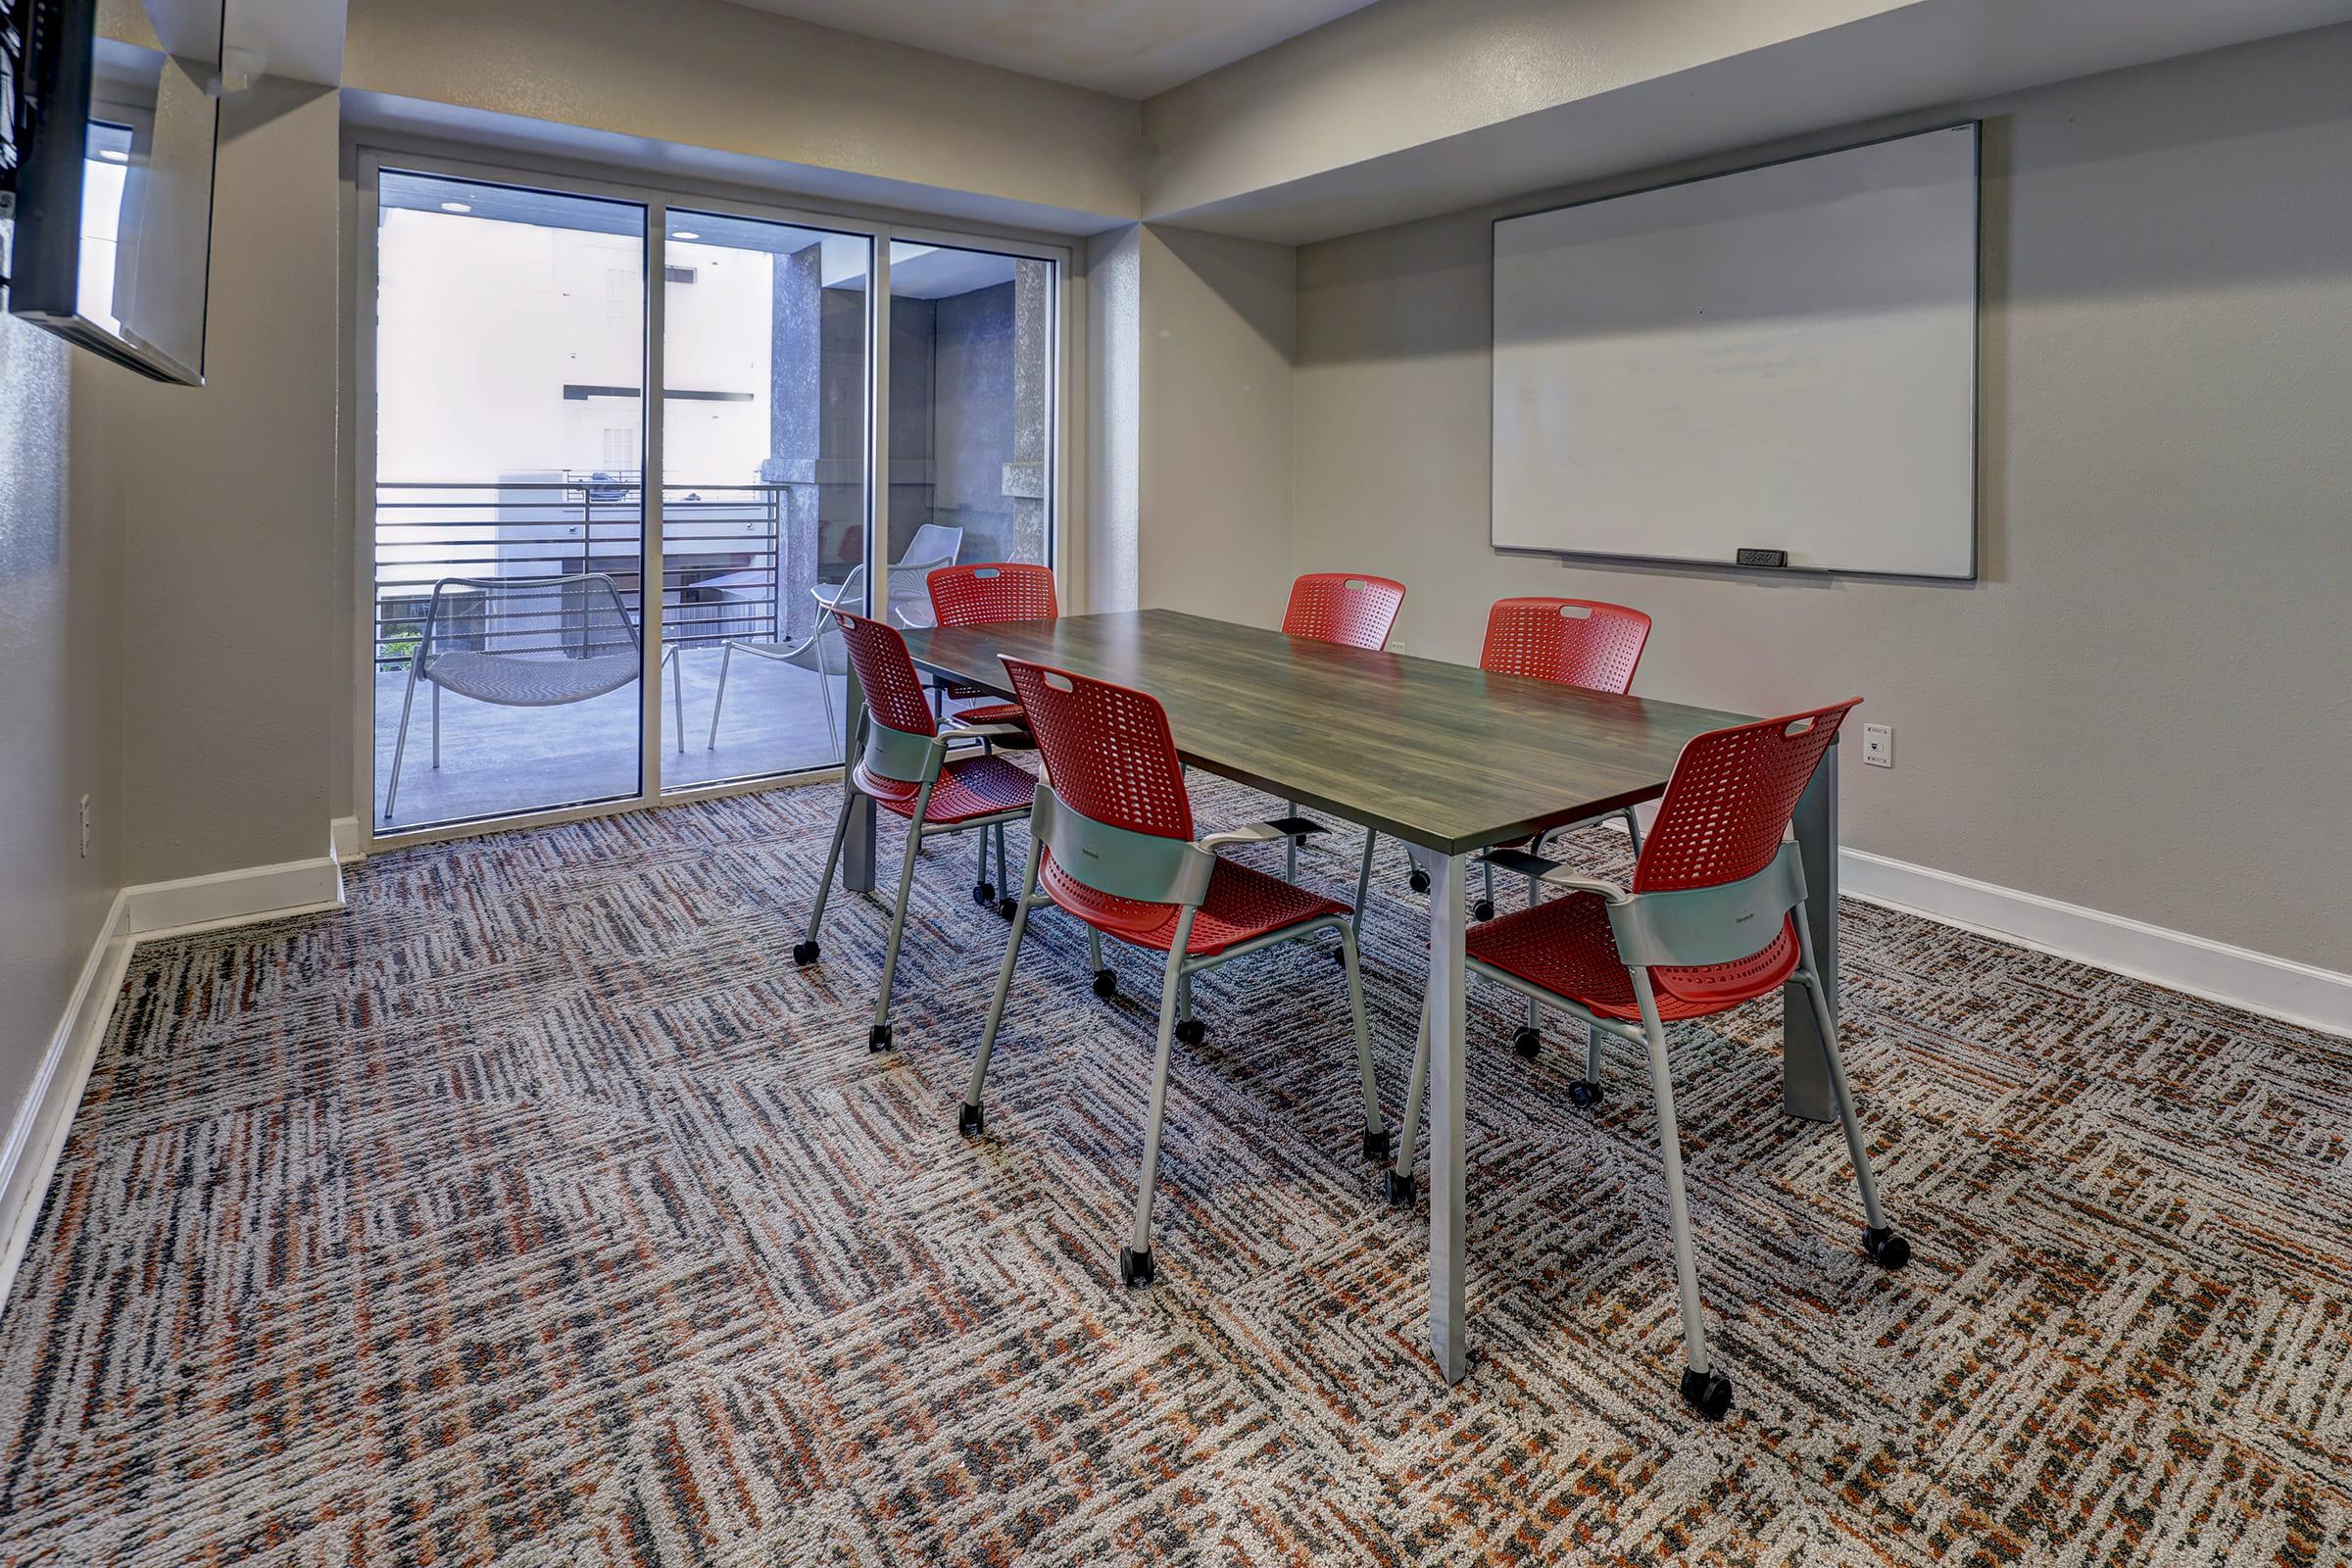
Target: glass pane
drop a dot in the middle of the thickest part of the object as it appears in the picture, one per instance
(509, 518)
(763, 489)
(972, 413)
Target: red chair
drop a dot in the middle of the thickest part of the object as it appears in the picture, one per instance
(979, 594)
(984, 595)
(904, 768)
(1352, 611)
(1570, 642)
(1346, 607)
(1573, 642)
(1110, 843)
(1719, 869)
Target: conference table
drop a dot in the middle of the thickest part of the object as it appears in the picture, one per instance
(1447, 758)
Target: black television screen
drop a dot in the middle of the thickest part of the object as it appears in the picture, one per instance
(114, 213)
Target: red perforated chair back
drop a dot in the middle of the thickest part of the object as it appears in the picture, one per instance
(1346, 607)
(1730, 798)
(1108, 754)
(1574, 642)
(893, 692)
(992, 591)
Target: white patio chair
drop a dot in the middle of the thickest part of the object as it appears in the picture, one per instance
(821, 653)
(933, 545)
(570, 639)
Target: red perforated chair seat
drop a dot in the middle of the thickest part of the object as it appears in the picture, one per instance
(1566, 947)
(968, 787)
(1242, 904)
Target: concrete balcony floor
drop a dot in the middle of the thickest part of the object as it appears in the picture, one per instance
(500, 760)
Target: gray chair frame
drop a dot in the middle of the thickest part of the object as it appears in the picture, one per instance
(1151, 868)
(1692, 926)
(420, 662)
(908, 759)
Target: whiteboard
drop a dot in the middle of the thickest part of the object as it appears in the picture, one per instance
(1780, 359)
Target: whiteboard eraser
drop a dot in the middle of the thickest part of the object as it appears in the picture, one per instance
(1763, 557)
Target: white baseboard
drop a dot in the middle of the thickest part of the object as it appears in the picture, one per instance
(2295, 993)
(344, 833)
(30, 1157)
(2301, 993)
(234, 898)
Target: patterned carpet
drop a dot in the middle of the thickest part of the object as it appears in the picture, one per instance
(536, 1210)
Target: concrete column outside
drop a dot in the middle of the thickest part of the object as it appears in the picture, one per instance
(794, 418)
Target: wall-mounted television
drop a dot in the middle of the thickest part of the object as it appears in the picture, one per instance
(113, 141)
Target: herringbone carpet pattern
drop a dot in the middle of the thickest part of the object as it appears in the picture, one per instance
(536, 1210)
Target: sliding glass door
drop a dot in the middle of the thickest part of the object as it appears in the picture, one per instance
(971, 413)
(551, 630)
(507, 506)
(763, 465)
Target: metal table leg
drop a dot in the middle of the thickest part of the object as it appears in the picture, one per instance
(1804, 1079)
(1448, 981)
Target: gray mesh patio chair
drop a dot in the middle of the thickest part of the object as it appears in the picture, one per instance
(538, 642)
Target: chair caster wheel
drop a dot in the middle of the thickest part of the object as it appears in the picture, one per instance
(804, 953)
(1008, 907)
(984, 894)
(1707, 1393)
(1376, 1145)
(1107, 983)
(1483, 909)
(1135, 1269)
(969, 1121)
(878, 1038)
(1526, 1041)
(1885, 1248)
(1298, 841)
(1401, 1188)
(1192, 1031)
(1584, 1094)
(1418, 881)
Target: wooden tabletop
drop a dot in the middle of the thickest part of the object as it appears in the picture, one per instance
(1443, 755)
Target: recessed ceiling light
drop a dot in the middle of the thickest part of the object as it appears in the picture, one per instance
(114, 154)
(457, 206)
(684, 233)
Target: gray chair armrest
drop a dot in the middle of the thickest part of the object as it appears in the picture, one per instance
(1552, 873)
(1280, 827)
(952, 733)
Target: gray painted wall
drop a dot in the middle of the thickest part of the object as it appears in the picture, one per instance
(59, 714)
(1217, 323)
(236, 675)
(2145, 706)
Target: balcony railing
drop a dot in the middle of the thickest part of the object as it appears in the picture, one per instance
(723, 566)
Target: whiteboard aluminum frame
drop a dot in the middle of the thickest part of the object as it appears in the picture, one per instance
(1975, 378)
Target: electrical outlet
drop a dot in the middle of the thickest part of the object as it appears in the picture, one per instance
(85, 828)
(1877, 745)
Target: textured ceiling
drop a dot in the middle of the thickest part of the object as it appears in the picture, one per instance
(1134, 48)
